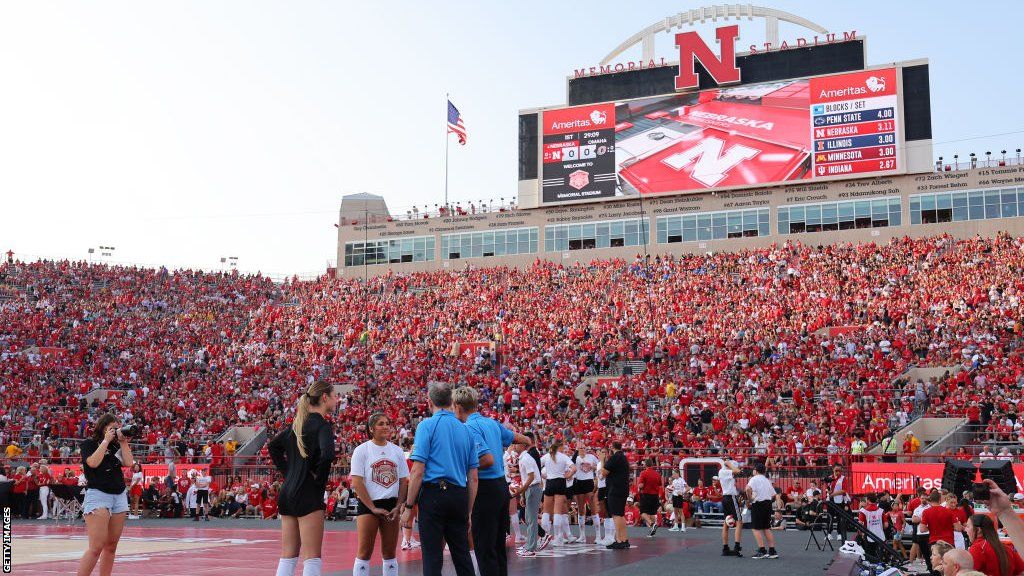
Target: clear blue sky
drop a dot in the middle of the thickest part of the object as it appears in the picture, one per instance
(181, 132)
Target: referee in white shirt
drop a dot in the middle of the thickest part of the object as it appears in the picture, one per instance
(761, 493)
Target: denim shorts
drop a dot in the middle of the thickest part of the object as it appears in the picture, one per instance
(94, 499)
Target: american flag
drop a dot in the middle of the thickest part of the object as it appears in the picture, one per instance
(455, 124)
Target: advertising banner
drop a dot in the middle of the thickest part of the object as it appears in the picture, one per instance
(742, 136)
(904, 478)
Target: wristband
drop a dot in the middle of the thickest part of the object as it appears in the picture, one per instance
(407, 505)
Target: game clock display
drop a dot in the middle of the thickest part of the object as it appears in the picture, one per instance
(579, 153)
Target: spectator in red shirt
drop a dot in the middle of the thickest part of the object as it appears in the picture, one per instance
(991, 557)
(19, 492)
(649, 487)
(939, 521)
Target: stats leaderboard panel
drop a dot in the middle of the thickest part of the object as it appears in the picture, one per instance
(824, 127)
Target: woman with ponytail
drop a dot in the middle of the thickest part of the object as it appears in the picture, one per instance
(991, 556)
(304, 453)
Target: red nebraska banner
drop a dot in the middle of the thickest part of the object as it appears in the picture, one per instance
(905, 478)
(149, 470)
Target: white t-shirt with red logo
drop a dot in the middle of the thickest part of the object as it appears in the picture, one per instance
(381, 468)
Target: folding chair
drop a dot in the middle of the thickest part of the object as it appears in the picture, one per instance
(67, 502)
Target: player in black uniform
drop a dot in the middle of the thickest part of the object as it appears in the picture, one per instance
(304, 454)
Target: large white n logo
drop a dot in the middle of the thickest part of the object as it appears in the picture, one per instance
(712, 166)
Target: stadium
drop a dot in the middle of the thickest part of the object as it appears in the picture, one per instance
(740, 268)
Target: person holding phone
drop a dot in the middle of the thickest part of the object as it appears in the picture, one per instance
(380, 479)
(105, 507)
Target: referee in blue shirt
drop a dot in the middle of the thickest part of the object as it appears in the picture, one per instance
(443, 480)
(490, 510)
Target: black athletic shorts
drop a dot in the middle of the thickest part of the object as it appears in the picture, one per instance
(649, 503)
(385, 504)
(202, 497)
(584, 487)
(677, 501)
(761, 515)
(731, 507)
(602, 494)
(616, 504)
(556, 487)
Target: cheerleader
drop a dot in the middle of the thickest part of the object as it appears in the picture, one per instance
(135, 491)
(304, 454)
(556, 467)
(380, 480)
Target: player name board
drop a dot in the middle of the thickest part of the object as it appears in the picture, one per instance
(579, 153)
(853, 123)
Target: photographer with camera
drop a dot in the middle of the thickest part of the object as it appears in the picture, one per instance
(106, 496)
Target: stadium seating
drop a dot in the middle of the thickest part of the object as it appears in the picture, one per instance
(732, 352)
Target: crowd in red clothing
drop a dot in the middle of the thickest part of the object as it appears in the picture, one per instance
(737, 348)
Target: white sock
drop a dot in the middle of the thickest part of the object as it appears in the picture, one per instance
(286, 566)
(566, 526)
(390, 567)
(513, 521)
(545, 522)
(312, 566)
(361, 567)
(476, 567)
(596, 521)
(609, 528)
(556, 528)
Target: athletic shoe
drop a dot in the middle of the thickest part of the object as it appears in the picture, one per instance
(772, 555)
(654, 530)
(558, 541)
(195, 518)
(682, 528)
(727, 552)
(207, 518)
(405, 545)
(527, 554)
(759, 555)
(604, 541)
(737, 553)
(572, 540)
(414, 543)
(544, 541)
(673, 529)
(617, 546)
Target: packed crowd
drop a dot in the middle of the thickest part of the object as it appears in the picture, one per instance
(738, 353)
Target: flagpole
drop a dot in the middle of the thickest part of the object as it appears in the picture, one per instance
(447, 103)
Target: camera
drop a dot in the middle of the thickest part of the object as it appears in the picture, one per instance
(980, 491)
(131, 431)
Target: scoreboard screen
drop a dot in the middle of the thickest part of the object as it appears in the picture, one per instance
(842, 125)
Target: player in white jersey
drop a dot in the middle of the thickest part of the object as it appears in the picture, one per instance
(730, 507)
(511, 459)
(679, 490)
(585, 491)
(556, 467)
(380, 480)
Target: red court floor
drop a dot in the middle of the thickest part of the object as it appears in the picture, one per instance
(244, 548)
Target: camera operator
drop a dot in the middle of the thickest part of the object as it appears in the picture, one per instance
(106, 496)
